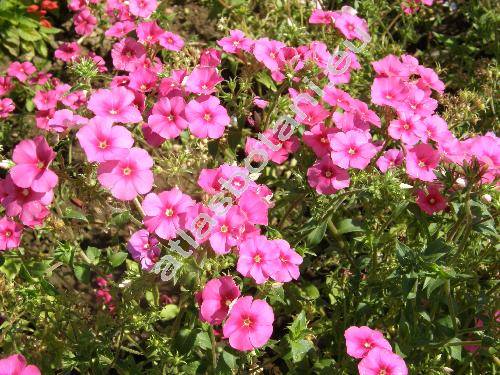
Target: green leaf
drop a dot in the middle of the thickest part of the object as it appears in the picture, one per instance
(169, 312)
(300, 349)
(348, 226)
(116, 259)
(203, 340)
(299, 326)
(11, 268)
(120, 219)
(71, 213)
(93, 254)
(311, 292)
(82, 272)
(315, 237)
(29, 35)
(266, 80)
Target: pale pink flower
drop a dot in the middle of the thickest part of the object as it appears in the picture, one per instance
(166, 212)
(129, 176)
(360, 340)
(289, 261)
(216, 299)
(171, 41)
(327, 178)
(64, 120)
(235, 42)
(21, 70)
(206, 117)
(258, 258)
(382, 361)
(115, 104)
(259, 102)
(10, 235)
(102, 141)
(250, 324)
(203, 80)
(33, 158)
(352, 149)
(142, 8)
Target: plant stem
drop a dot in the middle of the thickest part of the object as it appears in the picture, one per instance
(214, 349)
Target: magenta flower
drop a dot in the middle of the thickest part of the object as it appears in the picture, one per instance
(317, 139)
(267, 52)
(171, 41)
(351, 26)
(258, 258)
(390, 159)
(10, 234)
(206, 117)
(360, 340)
(431, 201)
(129, 176)
(16, 365)
(391, 66)
(45, 100)
(64, 120)
(210, 57)
(216, 299)
(289, 261)
(167, 117)
(436, 129)
(84, 22)
(309, 114)
(7, 106)
(149, 32)
(429, 80)
(120, 29)
(224, 234)
(127, 54)
(5, 85)
(421, 161)
(352, 149)
(319, 16)
(144, 249)
(327, 178)
(235, 42)
(21, 70)
(419, 103)
(408, 128)
(203, 80)
(337, 98)
(142, 80)
(33, 158)
(101, 141)
(252, 205)
(115, 105)
(166, 212)
(142, 8)
(67, 51)
(388, 91)
(250, 324)
(382, 361)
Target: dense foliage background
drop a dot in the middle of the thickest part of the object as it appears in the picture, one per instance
(371, 255)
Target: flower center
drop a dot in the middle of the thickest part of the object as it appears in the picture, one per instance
(113, 112)
(223, 229)
(323, 140)
(143, 87)
(432, 200)
(256, 259)
(247, 322)
(367, 345)
(169, 212)
(170, 118)
(103, 145)
(228, 302)
(382, 372)
(236, 43)
(406, 126)
(8, 233)
(328, 174)
(421, 164)
(272, 55)
(25, 192)
(204, 87)
(170, 40)
(127, 171)
(388, 97)
(40, 165)
(207, 116)
(351, 151)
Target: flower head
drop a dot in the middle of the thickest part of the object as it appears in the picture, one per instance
(216, 299)
(382, 361)
(360, 340)
(115, 104)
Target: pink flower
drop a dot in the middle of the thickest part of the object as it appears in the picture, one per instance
(142, 8)
(203, 80)
(210, 57)
(429, 80)
(5, 85)
(10, 235)
(42, 118)
(224, 234)
(309, 114)
(337, 98)
(67, 51)
(129, 176)
(250, 324)
(289, 261)
(33, 214)
(144, 249)
(84, 22)
(149, 32)
(436, 129)
(254, 206)
(391, 66)
(319, 16)
(101, 141)
(120, 29)
(258, 258)
(16, 199)
(382, 361)
(166, 212)
(45, 100)
(33, 158)
(431, 201)
(16, 365)
(206, 117)
(352, 27)
(326, 177)
(235, 42)
(216, 298)
(6, 107)
(317, 139)
(167, 118)
(390, 159)
(21, 70)
(421, 161)
(142, 80)
(75, 99)
(259, 102)
(127, 54)
(171, 41)
(64, 120)
(419, 103)
(115, 105)
(407, 128)
(273, 147)
(360, 340)
(388, 91)
(267, 52)
(351, 149)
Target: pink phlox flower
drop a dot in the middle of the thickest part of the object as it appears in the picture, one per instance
(10, 234)
(149, 32)
(421, 161)
(258, 258)
(127, 53)
(45, 100)
(120, 29)
(143, 247)
(143, 80)
(206, 117)
(168, 118)
(408, 128)
(115, 104)
(142, 8)
(84, 22)
(7, 106)
(327, 178)
(390, 159)
(171, 41)
(67, 52)
(352, 149)
(210, 57)
(235, 42)
(289, 261)
(361, 340)
(382, 361)
(203, 80)
(317, 139)
(16, 365)
(266, 51)
(352, 27)
(64, 120)
(216, 298)
(432, 200)
(224, 234)
(21, 71)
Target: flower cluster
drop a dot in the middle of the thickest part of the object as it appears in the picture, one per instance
(375, 352)
(41, 10)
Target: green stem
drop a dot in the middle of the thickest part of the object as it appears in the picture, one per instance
(214, 349)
